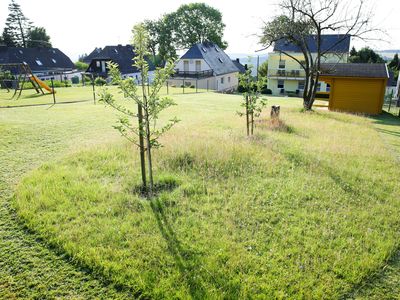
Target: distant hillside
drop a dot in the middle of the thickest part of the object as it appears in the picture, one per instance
(387, 54)
(249, 59)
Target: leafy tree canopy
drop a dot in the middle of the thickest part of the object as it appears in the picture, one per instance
(37, 37)
(365, 55)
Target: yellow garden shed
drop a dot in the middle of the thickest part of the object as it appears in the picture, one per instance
(357, 88)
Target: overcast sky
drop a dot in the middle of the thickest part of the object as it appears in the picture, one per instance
(77, 26)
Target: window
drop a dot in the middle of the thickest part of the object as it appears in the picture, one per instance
(116, 51)
(281, 84)
(282, 64)
(300, 85)
(216, 49)
(328, 87)
(198, 65)
(318, 86)
(204, 49)
(222, 80)
(220, 60)
(39, 62)
(53, 60)
(229, 79)
(98, 63)
(20, 51)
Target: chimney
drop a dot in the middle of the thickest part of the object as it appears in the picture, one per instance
(237, 59)
(245, 67)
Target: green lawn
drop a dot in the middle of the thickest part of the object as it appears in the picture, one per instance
(308, 213)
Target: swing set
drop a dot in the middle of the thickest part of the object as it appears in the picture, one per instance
(16, 75)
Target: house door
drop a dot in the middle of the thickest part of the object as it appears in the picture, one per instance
(186, 66)
(198, 65)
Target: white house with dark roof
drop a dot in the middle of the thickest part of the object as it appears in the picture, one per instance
(206, 66)
(44, 62)
(123, 55)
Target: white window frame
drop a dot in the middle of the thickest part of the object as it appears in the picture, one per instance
(282, 64)
(222, 80)
(301, 83)
(280, 84)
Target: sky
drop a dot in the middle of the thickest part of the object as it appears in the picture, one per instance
(78, 26)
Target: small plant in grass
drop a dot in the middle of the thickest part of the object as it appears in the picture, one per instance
(149, 104)
(99, 81)
(253, 103)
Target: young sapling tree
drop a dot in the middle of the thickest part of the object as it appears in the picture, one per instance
(253, 103)
(146, 134)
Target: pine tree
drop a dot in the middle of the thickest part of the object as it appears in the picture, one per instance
(17, 27)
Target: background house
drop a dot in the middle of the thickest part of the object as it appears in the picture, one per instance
(286, 75)
(208, 67)
(44, 62)
(122, 55)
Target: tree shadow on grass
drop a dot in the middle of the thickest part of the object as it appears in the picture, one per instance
(186, 260)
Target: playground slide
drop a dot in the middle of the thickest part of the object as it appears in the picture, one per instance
(42, 84)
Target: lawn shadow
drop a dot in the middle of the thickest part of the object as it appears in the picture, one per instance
(186, 260)
(386, 118)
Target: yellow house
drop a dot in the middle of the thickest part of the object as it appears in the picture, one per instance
(356, 88)
(286, 76)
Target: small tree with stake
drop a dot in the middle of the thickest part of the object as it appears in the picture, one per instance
(149, 105)
(252, 101)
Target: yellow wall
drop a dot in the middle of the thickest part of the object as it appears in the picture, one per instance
(291, 84)
(358, 95)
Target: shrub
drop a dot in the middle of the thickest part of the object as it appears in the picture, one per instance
(192, 86)
(75, 80)
(100, 81)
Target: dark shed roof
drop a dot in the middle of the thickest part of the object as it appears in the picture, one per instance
(39, 59)
(123, 56)
(215, 57)
(338, 43)
(355, 70)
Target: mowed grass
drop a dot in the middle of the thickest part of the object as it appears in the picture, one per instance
(72, 94)
(306, 213)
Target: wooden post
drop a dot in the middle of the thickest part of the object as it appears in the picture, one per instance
(52, 88)
(183, 85)
(141, 146)
(207, 85)
(94, 92)
(196, 85)
(247, 115)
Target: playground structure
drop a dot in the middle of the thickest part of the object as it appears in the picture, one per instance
(19, 74)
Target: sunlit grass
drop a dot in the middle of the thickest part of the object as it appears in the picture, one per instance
(303, 213)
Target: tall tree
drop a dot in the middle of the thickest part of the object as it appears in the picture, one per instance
(37, 37)
(196, 23)
(301, 20)
(395, 63)
(365, 55)
(17, 27)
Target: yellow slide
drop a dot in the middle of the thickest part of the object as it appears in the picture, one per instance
(42, 84)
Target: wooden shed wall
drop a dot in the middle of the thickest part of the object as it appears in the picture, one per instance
(359, 95)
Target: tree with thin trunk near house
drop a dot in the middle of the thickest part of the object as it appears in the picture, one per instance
(149, 105)
(301, 20)
(252, 101)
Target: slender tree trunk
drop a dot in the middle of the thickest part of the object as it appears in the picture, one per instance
(247, 115)
(141, 145)
(252, 116)
(148, 138)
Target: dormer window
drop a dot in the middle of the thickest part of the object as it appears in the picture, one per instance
(53, 60)
(20, 51)
(216, 49)
(39, 62)
(220, 60)
(204, 49)
(116, 51)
